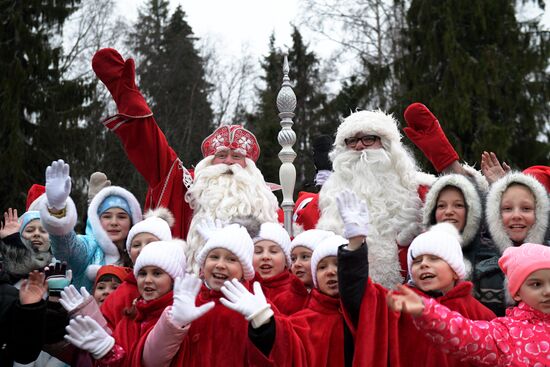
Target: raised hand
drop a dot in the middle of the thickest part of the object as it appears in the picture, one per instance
(33, 289)
(406, 301)
(58, 184)
(71, 298)
(491, 167)
(58, 277)
(98, 181)
(253, 307)
(184, 310)
(10, 225)
(354, 213)
(86, 334)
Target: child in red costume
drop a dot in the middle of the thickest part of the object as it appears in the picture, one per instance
(320, 324)
(384, 338)
(155, 227)
(107, 280)
(223, 334)
(522, 338)
(272, 263)
(158, 266)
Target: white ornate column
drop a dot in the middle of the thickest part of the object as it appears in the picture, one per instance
(286, 103)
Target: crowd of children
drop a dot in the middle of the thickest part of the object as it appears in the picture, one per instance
(478, 291)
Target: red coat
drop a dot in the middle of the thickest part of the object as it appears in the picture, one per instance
(148, 150)
(220, 337)
(386, 338)
(114, 305)
(320, 327)
(130, 333)
(290, 300)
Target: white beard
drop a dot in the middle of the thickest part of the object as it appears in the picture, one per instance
(390, 192)
(224, 192)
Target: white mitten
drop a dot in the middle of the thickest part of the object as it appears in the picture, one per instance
(58, 184)
(86, 334)
(183, 309)
(208, 226)
(354, 213)
(82, 304)
(253, 307)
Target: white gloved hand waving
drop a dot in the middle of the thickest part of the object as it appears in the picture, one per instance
(354, 213)
(86, 334)
(253, 307)
(184, 310)
(207, 227)
(71, 298)
(58, 184)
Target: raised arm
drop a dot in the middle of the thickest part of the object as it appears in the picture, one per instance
(143, 141)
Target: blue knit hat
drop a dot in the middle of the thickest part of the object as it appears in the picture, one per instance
(26, 218)
(114, 201)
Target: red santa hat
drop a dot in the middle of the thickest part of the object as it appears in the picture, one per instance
(233, 137)
(541, 174)
(34, 196)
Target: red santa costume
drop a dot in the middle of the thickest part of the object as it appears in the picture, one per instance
(215, 192)
(387, 179)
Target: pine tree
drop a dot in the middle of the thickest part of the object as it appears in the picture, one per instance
(171, 74)
(483, 76)
(40, 110)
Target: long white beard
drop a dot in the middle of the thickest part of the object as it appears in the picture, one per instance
(390, 193)
(224, 192)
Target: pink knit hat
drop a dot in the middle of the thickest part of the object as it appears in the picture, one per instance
(518, 262)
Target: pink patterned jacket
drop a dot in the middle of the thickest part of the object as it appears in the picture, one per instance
(522, 338)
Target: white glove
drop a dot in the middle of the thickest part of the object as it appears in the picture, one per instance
(58, 184)
(86, 334)
(253, 307)
(354, 213)
(184, 310)
(207, 227)
(71, 298)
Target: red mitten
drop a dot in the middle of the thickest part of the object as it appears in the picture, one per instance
(426, 133)
(119, 77)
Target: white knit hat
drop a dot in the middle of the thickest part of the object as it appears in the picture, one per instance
(157, 222)
(167, 255)
(276, 233)
(236, 239)
(310, 239)
(441, 240)
(328, 247)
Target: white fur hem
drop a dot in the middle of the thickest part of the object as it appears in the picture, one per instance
(58, 226)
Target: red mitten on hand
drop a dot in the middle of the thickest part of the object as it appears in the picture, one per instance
(426, 133)
(119, 77)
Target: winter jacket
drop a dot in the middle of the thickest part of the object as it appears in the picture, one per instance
(383, 337)
(122, 298)
(21, 326)
(320, 327)
(85, 254)
(491, 288)
(223, 336)
(131, 332)
(522, 338)
(277, 290)
(167, 178)
(293, 299)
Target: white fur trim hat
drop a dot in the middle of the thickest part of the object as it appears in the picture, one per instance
(328, 247)
(310, 239)
(156, 222)
(471, 198)
(441, 240)
(276, 233)
(494, 219)
(236, 239)
(167, 255)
